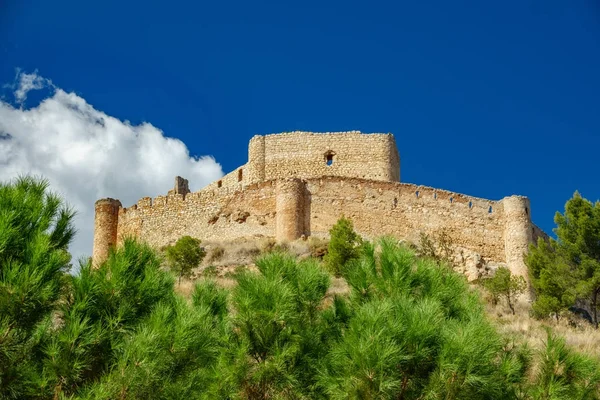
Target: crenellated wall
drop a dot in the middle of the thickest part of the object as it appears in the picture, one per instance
(287, 190)
(207, 214)
(405, 210)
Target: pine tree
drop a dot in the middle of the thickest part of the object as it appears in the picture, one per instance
(185, 255)
(417, 332)
(569, 267)
(344, 246)
(564, 373)
(552, 279)
(506, 285)
(408, 329)
(35, 230)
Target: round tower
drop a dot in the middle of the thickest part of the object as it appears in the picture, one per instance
(289, 221)
(517, 233)
(256, 159)
(105, 228)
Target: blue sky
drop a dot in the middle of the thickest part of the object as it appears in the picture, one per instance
(484, 98)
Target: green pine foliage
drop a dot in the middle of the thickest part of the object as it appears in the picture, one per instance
(409, 329)
(551, 278)
(505, 285)
(35, 229)
(417, 332)
(564, 374)
(185, 255)
(101, 307)
(568, 268)
(343, 247)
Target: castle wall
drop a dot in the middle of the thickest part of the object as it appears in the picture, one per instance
(405, 210)
(304, 155)
(208, 214)
(539, 233)
(287, 189)
(288, 209)
(230, 183)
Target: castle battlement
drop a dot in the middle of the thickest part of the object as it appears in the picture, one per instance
(298, 184)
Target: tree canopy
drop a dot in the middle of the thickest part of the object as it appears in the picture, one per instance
(185, 255)
(408, 329)
(344, 245)
(568, 268)
(506, 285)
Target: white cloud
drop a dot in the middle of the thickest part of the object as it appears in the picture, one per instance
(86, 154)
(25, 83)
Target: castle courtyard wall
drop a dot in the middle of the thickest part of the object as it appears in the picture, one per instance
(208, 214)
(287, 209)
(405, 210)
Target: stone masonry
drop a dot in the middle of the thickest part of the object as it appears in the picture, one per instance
(298, 184)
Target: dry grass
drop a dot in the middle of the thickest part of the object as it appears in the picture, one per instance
(185, 288)
(244, 251)
(579, 334)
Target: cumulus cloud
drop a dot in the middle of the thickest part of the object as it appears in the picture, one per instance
(86, 154)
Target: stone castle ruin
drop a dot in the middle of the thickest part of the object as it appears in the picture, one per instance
(298, 184)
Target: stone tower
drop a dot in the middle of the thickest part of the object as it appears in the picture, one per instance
(105, 228)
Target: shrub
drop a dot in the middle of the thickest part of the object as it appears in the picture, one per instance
(210, 271)
(505, 285)
(344, 246)
(416, 331)
(216, 253)
(185, 255)
(564, 373)
(318, 247)
(440, 247)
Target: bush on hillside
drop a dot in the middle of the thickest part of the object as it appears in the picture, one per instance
(505, 285)
(344, 246)
(568, 268)
(185, 255)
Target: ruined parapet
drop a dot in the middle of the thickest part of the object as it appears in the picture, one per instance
(256, 160)
(518, 233)
(392, 159)
(181, 186)
(105, 228)
(290, 210)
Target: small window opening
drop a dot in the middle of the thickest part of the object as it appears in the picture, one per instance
(395, 203)
(490, 210)
(240, 175)
(220, 184)
(526, 211)
(417, 193)
(470, 204)
(451, 200)
(435, 196)
(329, 158)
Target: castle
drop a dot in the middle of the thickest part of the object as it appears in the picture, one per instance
(298, 184)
